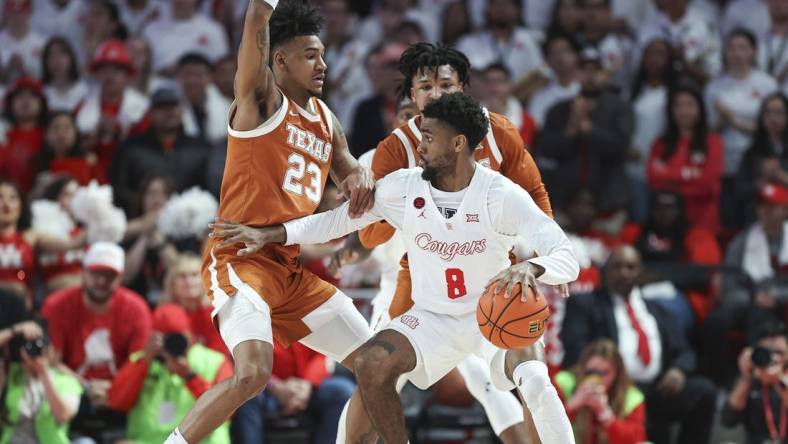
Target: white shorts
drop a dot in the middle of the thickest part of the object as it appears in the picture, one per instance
(443, 341)
(337, 328)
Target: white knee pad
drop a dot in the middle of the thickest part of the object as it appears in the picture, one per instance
(542, 399)
(502, 408)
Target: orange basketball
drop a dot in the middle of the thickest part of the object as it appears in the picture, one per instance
(512, 323)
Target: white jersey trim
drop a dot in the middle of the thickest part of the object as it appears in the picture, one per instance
(407, 146)
(269, 125)
(329, 118)
(491, 140)
(414, 129)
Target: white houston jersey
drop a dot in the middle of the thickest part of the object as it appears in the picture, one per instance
(452, 259)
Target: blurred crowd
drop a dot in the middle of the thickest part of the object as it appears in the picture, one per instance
(660, 128)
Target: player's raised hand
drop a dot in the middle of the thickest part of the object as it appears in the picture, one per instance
(253, 239)
(524, 273)
(359, 187)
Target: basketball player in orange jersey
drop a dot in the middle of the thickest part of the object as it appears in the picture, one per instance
(429, 72)
(283, 142)
(454, 257)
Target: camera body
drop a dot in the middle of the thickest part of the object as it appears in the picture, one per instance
(34, 347)
(175, 344)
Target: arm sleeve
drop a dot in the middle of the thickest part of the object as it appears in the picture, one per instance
(143, 326)
(518, 164)
(660, 175)
(389, 156)
(516, 213)
(127, 385)
(708, 183)
(55, 326)
(630, 429)
(323, 227)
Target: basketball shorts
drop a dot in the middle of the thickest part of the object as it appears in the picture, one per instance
(261, 299)
(442, 341)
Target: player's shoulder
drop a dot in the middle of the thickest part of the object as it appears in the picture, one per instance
(501, 185)
(506, 135)
(396, 183)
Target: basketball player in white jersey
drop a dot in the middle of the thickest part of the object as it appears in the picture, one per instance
(452, 261)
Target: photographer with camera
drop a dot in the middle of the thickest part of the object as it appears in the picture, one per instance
(39, 397)
(760, 397)
(160, 384)
(603, 404)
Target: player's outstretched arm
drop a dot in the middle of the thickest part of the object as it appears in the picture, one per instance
(355, 181)
(254, 81)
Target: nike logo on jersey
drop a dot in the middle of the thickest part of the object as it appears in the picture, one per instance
(449, 250)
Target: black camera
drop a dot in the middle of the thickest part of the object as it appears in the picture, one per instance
(34, 347)
(761, 357)
(175, 344)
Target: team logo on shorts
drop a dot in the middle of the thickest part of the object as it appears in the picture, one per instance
(410, 321)
(418, 203)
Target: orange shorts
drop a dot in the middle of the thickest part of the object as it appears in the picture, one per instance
(290, 291)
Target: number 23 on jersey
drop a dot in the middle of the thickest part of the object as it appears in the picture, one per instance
(297, 168)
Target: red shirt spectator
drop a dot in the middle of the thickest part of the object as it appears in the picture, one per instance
(62, 153)
(96, 327)
(26, 110)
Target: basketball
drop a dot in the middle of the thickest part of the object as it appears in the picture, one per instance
(512, 323)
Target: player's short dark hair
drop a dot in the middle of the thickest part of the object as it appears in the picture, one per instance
(421, 56)
(462, 113)
(291, 19)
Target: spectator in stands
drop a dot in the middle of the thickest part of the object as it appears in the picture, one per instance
(15, 319)
(63, 152)
(144, 80)
(585, 141)
(61, 18)
(159, 385)
(561, 53)
(182, 286)
(758, 400)
(19, 243)
(101, 22)
(772, 56)
(206, 110)
(21, 45)
(597, 32)
(63, 269)
(182, 31)
(455, 23)
(603, 404)
(375, 117)
(691, 34)
(666, 238)
(137, 14)
(95, 328)
(767, 158)
(26, 111)
(64, 88)
(504, 40)
(687, 159)
(498, 99)
(300, 384)
(656, 353)
(40, 396)
(164, 148)
(114, 107)
(733, 101)
(655, 77)
(224, 75)
(566, 19)
(579, 219)
(148, 252)
(382, 22)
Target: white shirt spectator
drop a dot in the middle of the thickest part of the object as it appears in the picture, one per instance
(536, 14)
(547, 97)
(521, 54)
(133, 107)
(743, 97)
(752, 15)
(30, 48)
(174, 38)
(67, 100)
(216, 114)
(136, 20)
(50, 20)
(349, 77)
(636, 12)
(628, 337)
(693, 32)
(773, 55)
(649, 109)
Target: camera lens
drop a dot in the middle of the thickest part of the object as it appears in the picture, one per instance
(761, 357)
(175, 344)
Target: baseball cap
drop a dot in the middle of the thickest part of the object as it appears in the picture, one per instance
(774, 194)
(112, 52)
(165, 96)
(171, 318)
(104, 256)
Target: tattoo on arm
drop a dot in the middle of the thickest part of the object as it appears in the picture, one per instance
(263, 46)
(385, 345)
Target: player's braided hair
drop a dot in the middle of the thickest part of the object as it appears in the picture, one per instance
(462, 113)
(291, 19)
(427, 56)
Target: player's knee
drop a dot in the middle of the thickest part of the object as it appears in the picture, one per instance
(251, 378)
(373, 366)
(534, 352)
